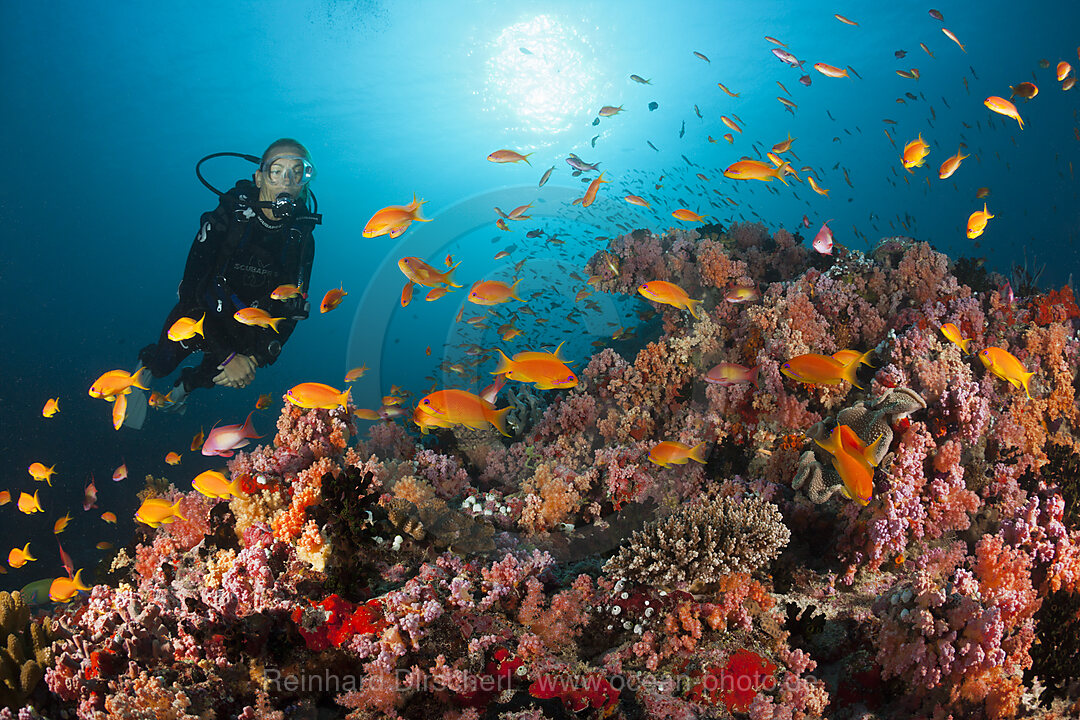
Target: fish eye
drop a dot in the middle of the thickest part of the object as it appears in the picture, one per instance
(426, 401)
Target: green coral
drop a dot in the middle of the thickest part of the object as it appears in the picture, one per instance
(25, 650)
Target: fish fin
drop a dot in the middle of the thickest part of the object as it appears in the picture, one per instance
(697, 453)
(831, 444)
(525, 157)
(498, 419)
(1025, 378)
(778, 173)
(248, 430)
(345, 396)
(198, 327)
(863, 359)
(871, 450)
(691, 305)
(135, 377)
(273, 322)
(964, 345)
(513, 290)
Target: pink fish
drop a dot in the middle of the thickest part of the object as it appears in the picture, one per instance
(823, 240)
(223, 440)
(120, 473)
(90, 495)
(492, 391)
(66, 560)
(1007, 293)
(787, 57)
(728, 374)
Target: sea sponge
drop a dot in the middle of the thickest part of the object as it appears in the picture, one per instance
(26, 650)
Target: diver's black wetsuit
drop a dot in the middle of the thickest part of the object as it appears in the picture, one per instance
(237, 259)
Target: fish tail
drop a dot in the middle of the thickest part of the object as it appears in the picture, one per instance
(198, 327)
(849, 373)
(864, 358)
(234, 487)
(513, 290)
(831, 444)
(175, 507)
(1025, 378)
(525, 157)
(248, 430)
(753, 376)
(697, 453)
(964, 345)
(344, 399)
(414, 211)
(691, 305)
(498, 419)
(778, 173)
(505, 363)
(135, 378)
(79, 583)
(273, 323)
(448, 275)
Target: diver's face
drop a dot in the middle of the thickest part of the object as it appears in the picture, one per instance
(282, 174)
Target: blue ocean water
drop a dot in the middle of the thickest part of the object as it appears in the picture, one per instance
(107, 107)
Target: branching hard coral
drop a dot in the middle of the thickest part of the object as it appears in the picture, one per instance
(25, 649)
(701, 542)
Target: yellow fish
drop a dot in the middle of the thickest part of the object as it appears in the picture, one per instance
(852, 461)
(670, 453)
(493, 292)
(39, 472)
(915, 153)
(185, 328)
(256, 317)
(1000, 362)
(29, 504)
(460, 407)
(155, 512)
(61, 524)
(213, 484)
(317, 395)
(52, 406)
(952, 332)
(17, 558)
(667, 293)
(976, 223)
(63, 589)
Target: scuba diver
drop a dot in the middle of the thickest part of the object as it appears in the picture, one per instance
(258, 239)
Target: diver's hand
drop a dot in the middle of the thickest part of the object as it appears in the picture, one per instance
(238, 372)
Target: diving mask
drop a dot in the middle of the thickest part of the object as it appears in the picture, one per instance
(289, 170)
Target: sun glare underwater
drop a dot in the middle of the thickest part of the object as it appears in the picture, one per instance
(540, 360)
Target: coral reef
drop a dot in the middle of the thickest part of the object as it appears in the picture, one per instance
(25, 652)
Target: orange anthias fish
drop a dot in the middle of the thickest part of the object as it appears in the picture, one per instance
(830, 70)
(742, 294)
(198, 440)
(52, 406)
(949, 166)
(213, 484)
(844, 20)
(61, 524)
(285, 292)
(172, 458)
(915, 153)
(262, 403)
(317, 395)
(590, 192)
(688, 215)
(29, 504)
(730, 123)
(1063, 70)
(356, 373)
(493, 292)
(155, 512)
(39, 472)
(546, 372)
(459, 407)
(667, 293)
(637, 200)
(406, 293)
(1003, 107)
(393, 220)
(116, 382)
(119, 411)
(755, 170)
(952, 333)
(849, 356)
(818, 189)
(782, 147)
(120, 473)
(1005, 365)
(815, 369)
(109, 517)
(257, 317)
(185, 328)
(17, 558)
(853, 462)
(332, 299)
(508, 156)
(728, 374)
(976, 223)
(670, 453)
(423, 274)
(63, 589)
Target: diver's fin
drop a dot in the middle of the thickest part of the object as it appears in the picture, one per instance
(136, 409)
